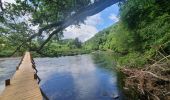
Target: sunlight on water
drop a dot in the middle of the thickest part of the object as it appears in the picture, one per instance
(70, 78)
(76, 78)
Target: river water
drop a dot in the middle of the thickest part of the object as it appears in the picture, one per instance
(80, 77)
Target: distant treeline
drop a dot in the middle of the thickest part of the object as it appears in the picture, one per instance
(54, 48)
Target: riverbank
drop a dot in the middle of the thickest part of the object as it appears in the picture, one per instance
(57, 53)
(88, 79)
(152, 82)
(9, 58)
(147, 82)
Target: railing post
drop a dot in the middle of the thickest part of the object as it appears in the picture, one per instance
(7, 82)
(34, 67)
(17, 67)
(37, 77)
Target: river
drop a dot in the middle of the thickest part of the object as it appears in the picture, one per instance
(81, 77)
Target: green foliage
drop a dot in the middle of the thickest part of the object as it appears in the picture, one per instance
(63, 47)
(97, 41)
(133, 59)
(58, 10)
(142, 33)
(104, 59)
(26, 20)
(54, 48)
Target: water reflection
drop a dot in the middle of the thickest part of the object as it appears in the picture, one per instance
(76, 78)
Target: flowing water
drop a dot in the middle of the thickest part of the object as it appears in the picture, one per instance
(7, 69)
(81, 77)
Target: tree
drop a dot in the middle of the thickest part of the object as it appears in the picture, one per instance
(51, 17)
(77, 43)
(141, 35)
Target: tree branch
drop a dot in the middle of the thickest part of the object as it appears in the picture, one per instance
(49, 37)
(1, 5)
(79, 15)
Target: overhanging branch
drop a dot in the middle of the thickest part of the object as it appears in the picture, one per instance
(79, 15)
(1, 5)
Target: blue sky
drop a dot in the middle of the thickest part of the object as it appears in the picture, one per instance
(93, 24)
(109, 16)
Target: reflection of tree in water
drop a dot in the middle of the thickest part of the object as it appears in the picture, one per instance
(107, 60)
(104, 59)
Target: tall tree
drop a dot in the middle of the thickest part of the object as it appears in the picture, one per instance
(50, 17)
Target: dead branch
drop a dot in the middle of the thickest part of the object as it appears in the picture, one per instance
(156, 76)
(156, 97)
(166, 57)
(162, 55)
(153, 81)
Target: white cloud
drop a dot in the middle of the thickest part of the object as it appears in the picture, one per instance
(93, 20)
(114, 18)
(85, 31)
(9, 1)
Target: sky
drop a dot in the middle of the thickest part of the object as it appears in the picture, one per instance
(93, 24)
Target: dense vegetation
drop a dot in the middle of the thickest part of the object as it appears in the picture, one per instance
(141, 39)
(23, 23)
(141, 45)
(65, 47)
(141, 36)
(53, 48)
